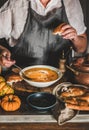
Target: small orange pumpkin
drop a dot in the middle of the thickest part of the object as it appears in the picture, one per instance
(10, 102)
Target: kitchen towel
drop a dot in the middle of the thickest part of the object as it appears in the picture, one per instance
(63, 114)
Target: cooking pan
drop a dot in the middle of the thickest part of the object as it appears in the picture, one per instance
(80, 76)
(80, 69)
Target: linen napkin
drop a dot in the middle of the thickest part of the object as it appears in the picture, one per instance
(63, 114)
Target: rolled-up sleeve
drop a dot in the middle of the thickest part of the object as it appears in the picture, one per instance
(75, 15)
(5, 24)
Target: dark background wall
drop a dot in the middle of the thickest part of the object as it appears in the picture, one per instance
(85, 7)
(2, 2)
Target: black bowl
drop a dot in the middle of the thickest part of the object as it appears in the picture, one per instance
(41, 100)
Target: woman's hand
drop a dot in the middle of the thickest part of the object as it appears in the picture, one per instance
(68, 32)
(79, 41)
(5, 57)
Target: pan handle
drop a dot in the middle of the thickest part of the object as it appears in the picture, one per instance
(74, 71)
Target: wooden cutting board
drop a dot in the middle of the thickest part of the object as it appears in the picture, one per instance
(25, 87)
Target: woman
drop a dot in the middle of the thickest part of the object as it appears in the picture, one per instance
(29, 31)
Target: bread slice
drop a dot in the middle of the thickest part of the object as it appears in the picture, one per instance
(13, 78)
(58, 30)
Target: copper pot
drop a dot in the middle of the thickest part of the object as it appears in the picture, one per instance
(80, 69)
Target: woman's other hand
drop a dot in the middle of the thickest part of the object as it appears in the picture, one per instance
(79, 41)
(5, 57)
(68, 32)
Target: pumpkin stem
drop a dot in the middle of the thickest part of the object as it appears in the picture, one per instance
(10, 98)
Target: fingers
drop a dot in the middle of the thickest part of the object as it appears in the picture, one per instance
(7, 62)
(6, 54)
(5, 59)
(70, 36)
(69, 32)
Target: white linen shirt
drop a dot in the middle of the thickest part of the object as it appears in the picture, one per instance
(13, 16)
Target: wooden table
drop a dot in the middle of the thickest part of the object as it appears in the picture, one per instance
(43, 126)
(25, 119)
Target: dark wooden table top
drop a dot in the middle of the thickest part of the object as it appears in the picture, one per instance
(28, 113)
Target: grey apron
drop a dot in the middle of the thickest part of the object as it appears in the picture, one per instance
(37, 44)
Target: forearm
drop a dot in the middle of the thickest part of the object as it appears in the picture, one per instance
(2, 48)
(5, 57)
(80, 43)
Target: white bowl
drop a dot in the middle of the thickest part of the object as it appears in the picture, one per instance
(41, 84)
